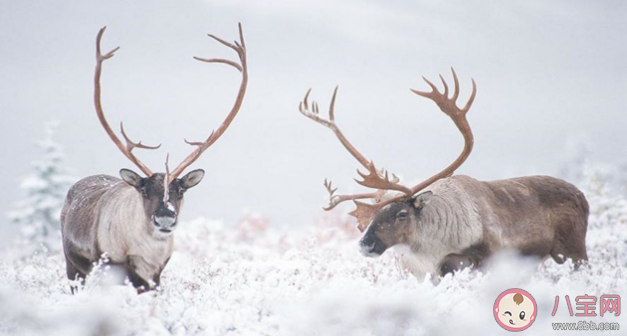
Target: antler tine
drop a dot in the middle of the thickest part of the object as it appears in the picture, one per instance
(381, 180)
(472, 97)
(219, 60)
(332, 106)
(456, 81)
(434, 89)
(314, 113)
(99, 55)
(445, 94)
(240, 48)
(335, 200)
(130, 145)
(303, 106)
(329, 186)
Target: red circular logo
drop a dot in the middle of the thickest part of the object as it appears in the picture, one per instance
(515, 309)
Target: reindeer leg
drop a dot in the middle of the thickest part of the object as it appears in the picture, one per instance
(138, 282)
(472, 256)
(570, 242)
(73, 273)
(454, 262)
(77, 267)
(157, 278)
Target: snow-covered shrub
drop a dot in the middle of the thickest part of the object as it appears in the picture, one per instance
(37, 215)
(308, 281)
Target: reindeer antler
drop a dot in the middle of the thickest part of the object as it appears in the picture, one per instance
(374, 180)
(127, 150)
(449, 107)
(365, 212)
(240, 49)
(314, 114)
(334, 200)
(130, 145)
(379, 179)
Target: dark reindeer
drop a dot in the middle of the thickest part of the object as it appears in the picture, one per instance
(448, 222)
(132, 219)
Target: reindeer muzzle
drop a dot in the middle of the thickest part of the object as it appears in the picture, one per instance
(371, 246)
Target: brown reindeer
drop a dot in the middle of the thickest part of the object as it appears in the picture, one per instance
(449, 222)
(132, 219)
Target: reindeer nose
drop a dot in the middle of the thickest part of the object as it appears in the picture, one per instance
(370, 245)
(366, 249)
(165, 223)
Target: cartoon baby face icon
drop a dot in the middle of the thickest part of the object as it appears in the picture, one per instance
(515, 309)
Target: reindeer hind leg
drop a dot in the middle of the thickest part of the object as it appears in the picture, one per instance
(74, 273)
(570, 244)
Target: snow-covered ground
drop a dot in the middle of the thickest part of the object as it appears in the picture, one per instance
(255, 279)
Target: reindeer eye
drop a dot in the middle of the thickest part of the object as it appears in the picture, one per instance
(402, 215)
(144, 192)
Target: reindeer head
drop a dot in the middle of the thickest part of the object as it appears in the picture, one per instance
(162, 193)
(393, 224)
(391, 219)
(162, 203)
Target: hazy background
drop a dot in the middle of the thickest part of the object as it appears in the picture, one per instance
(549, 74)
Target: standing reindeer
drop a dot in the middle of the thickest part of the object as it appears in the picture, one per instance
(132, 219)
(449, 222)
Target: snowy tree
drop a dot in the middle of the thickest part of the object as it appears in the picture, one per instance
(37, 215)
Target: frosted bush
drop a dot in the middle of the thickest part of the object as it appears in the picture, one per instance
(255, 279)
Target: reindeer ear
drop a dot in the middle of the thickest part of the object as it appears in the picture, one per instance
(192, 178)
(421, 199)
(131, 177)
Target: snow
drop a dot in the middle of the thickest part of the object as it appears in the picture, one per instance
(252, 278)
(255, 279)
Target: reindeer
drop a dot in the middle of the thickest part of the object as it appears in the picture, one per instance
(132, 219)
(448, 222)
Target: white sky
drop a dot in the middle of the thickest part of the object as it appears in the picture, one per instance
(548, 73)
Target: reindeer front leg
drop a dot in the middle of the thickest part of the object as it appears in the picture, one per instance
(472, 256)
(131, 272)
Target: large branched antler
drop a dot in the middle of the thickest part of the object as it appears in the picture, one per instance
(380, 179)
(374, 174)
(127, 149)
(449, 107)
(240, 49)
(365, 212)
